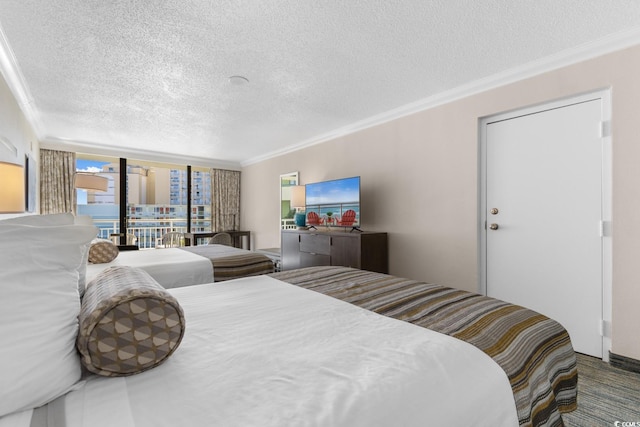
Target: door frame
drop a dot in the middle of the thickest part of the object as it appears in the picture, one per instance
(607, 177)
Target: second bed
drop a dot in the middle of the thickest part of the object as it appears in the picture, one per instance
(193, 265)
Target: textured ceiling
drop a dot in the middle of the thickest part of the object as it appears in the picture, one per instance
(145, 76)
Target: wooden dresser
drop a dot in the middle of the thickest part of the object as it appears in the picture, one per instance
(307, 248)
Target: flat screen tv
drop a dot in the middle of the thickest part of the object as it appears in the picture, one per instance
(334, 202)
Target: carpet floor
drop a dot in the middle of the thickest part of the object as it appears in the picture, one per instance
(605, 395)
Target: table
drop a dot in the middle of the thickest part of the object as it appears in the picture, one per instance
(236, 236)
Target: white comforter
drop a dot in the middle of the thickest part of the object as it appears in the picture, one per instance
(260, 352)
(171, 267)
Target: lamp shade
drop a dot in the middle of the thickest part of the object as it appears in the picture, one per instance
(297, 196)
(12, 193)
(89, 181)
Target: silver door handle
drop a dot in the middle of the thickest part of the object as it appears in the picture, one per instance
(494, 226)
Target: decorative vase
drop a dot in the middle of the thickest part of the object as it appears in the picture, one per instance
(300, 219)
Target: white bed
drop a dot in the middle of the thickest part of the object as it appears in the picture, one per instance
(191, 265)
(171, 267)
(214, 250)
(261, 352)
(276, 350)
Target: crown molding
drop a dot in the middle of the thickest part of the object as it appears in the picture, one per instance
(605, 45)
(18, 85)
(149, 155)
(617, 41)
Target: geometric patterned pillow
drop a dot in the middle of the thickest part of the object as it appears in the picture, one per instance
(102, 251)
(128, 323)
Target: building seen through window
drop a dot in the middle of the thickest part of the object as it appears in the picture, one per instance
(156, 199)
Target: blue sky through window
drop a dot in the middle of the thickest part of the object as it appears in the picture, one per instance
(89, 165)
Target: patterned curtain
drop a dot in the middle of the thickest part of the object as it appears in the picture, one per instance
(57, 190)
(225, 203)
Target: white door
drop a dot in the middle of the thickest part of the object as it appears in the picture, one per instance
(543, 216)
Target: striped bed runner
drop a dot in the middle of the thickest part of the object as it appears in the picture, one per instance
(534, 351)
(241, 265)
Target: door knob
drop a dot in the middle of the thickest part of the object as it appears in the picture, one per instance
(493, 226)
(494, 211)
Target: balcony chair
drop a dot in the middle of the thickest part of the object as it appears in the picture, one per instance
(173, 239)
(314, 219)
(348, 218)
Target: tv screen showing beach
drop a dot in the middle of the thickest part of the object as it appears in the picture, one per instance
(336, 192)
(331, 199)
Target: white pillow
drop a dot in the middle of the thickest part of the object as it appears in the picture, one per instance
(82, 283)
(39, 310)
(42, 220)
(83, 220)
(59, 219)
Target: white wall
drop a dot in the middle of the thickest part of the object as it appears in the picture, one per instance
(14, 127)
(420, 181)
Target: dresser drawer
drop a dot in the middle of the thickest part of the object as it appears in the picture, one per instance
(315, 244)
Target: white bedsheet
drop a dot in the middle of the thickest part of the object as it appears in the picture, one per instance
(260, 352)
(171, 267)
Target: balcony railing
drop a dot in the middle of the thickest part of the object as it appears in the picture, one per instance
(148, 232)
(288, 224)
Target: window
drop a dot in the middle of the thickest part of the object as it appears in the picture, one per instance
(200, 200)
(156, 199)
(103, 207)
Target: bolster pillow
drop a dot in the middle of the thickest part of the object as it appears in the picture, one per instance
(128, 323)
(102, 251)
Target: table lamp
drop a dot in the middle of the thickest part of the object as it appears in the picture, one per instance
(12, 194)
(298, 203)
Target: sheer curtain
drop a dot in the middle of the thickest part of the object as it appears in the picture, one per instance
(225, 201)
(57, 190)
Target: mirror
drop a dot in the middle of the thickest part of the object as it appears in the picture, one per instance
(287, 213)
